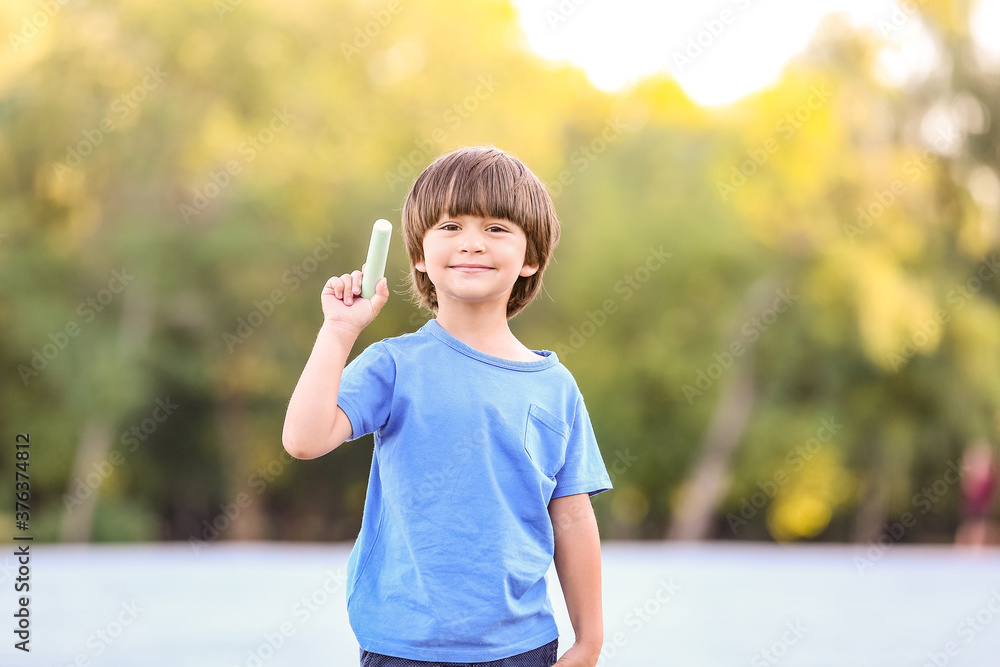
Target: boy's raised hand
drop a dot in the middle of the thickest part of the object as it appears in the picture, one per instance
(343, 307)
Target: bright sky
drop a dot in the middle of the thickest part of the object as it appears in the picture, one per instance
(721, 50)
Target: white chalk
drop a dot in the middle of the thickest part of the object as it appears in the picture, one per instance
(378, 252)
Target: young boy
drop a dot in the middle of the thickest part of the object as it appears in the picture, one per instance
(485, 458)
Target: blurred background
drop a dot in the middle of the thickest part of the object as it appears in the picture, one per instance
(777, 285)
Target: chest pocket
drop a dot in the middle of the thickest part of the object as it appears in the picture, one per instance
(545, 440)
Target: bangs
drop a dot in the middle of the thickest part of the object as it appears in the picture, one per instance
(481, 182)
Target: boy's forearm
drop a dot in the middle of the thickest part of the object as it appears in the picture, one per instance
(578, 563)
(312, 409)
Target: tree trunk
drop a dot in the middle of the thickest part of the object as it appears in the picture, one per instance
(91, 450)
(869, 519)
(95, 441)
(232, 417)
(709, 477)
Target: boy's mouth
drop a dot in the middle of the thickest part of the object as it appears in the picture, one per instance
(471, 268)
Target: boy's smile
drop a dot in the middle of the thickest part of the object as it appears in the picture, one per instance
(474, 260)
(471, 268)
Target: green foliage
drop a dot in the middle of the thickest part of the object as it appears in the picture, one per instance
(223, 163)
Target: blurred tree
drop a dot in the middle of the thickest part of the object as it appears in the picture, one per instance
(178, 180)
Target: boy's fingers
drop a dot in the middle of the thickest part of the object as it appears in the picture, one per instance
(381, 295)
(345, 292)
(333, 286)
(347, 286)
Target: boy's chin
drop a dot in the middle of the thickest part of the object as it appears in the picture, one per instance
(475, 300)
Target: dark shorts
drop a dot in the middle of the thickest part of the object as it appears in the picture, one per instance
(543, 656)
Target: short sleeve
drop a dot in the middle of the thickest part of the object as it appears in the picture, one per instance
(584, 470)
(366, 387)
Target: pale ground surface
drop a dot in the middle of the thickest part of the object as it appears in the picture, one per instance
(665, 604)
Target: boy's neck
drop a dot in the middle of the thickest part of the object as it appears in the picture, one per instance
(484, 329)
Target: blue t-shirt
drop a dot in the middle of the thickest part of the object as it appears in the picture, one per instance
(456, 540)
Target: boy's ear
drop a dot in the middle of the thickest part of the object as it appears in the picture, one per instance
(529, 270)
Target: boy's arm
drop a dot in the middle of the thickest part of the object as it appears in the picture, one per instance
(578, 564)
(314, 423)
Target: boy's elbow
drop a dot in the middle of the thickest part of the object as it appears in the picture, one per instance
(296, 446)
(306, 449)
(296, 450)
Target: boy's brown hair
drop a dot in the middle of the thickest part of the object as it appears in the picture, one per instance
(482, 181)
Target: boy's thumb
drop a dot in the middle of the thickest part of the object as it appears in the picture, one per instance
(381, 295)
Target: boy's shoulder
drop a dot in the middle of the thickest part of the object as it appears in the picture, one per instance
(405, 342)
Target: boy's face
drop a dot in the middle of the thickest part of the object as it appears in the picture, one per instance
(474, 260)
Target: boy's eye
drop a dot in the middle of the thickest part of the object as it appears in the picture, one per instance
(449, 226)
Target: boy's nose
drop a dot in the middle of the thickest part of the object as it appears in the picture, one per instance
(472, 243)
